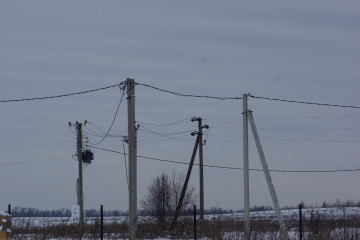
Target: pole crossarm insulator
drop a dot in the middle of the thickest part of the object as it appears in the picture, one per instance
(194, 133)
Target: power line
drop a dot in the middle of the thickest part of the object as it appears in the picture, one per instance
(309, 140)
(165, 135)
(58, 96)
(290, 128)
(117, 110)
(145, 142)
(238, 98)
(25, 162)
(308, 117)
(235, 168)
(101, 135)
(188, 95)
(36, 145)
(291, 140)
(303, 102)
(95, 127)
(310, 128)
(178, 94)
(165, 124)
(126, 169)
(284, 117)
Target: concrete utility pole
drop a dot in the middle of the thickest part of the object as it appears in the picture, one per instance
(80, 196)
(284, 234)
(183, 191)
(132, 159)
(201, 163)
(246, 169)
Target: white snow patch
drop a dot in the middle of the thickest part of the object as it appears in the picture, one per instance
(4, 214)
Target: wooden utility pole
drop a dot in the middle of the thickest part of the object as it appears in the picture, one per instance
(132, 159)
(246, 169)
(80, 196)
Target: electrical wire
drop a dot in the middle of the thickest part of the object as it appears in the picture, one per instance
(207, 135)
(126, 171)
(308, 117)
(162, 139)
(70, 128)
(152, 142)
(188, 95)
(291, 140)
(32, 146)
(286, 118)
(171, 138)
(179, 94)
(291, 128)
(235, 168)
(117, 110)
(238, 98)
(25, 162)
(100, 135)
(95, 127)
(59, 96)
(308, 103)
(164, 124)
(310, 128)
(309, 140)
(165, 135)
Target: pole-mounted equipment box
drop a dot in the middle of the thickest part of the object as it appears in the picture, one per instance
(87, 156)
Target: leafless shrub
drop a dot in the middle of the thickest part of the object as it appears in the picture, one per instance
(162, 198)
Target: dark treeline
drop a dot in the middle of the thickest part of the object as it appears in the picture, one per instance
(64, 212)
(34, 212)
(337, 203)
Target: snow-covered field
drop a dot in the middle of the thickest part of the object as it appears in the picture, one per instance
(288, 214)
(332, 214)
(293, 214)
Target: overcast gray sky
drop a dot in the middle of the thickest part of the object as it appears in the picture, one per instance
(296, 50)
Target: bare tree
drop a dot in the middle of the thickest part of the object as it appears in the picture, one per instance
(163, 196)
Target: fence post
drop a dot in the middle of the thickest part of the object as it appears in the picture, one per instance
(101, 222)
(194, 222)
(300, 221)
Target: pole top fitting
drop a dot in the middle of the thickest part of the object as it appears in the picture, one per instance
(193, 119)
(194, 133)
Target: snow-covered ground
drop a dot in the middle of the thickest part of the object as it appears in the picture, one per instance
(288, 215)
(293, 214)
